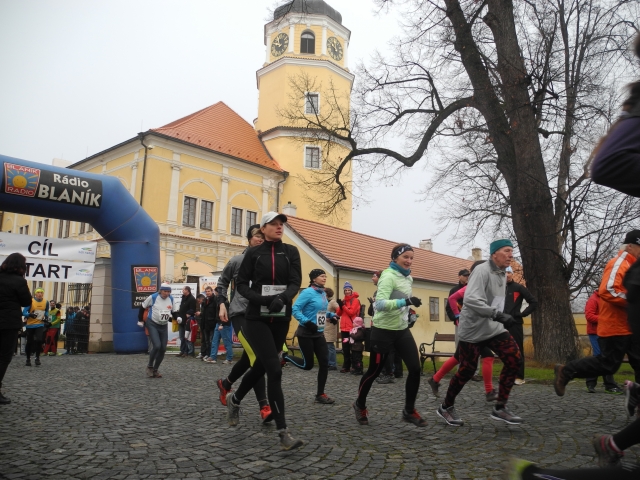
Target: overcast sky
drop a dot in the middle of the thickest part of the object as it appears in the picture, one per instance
(81, 76)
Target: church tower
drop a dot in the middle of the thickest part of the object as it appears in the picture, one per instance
(305, 76)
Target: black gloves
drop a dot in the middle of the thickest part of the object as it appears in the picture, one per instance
(340, 302)
(276, 305)
(334, 320)
(505, 319)
(415, 301)
(312, 327)
(33, 315)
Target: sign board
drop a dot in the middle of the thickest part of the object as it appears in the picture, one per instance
(47, 185)
(144, 282)
(212, 281)
(57, 270)
(48, 248)
(176, 293)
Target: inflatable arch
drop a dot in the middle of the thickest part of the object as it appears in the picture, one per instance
(102, 201)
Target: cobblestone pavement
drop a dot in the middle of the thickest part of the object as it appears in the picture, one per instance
(99, 416)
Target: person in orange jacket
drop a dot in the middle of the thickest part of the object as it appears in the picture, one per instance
(591, 310)
(349, 309)
(615, 336)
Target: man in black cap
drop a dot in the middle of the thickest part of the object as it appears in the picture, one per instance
(615, 337)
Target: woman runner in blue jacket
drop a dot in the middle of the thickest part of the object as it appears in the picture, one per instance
(311, 312)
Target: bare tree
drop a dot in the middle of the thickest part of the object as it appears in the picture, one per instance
(505, 102)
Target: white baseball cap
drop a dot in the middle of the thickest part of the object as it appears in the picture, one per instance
(271, 216)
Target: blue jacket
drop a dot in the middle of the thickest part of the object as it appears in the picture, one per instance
(309, 303)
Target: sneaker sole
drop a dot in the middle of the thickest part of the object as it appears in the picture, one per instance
(223, 394)
(447, 421)
(298, 444)
(505, 420)
(627, 401)
(414, 423)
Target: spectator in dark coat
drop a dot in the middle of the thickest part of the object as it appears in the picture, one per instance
(591, 310)
(209, 313)
(516, 293)
(14, 295)
(187, 303)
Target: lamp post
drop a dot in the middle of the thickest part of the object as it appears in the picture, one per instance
(185, 270)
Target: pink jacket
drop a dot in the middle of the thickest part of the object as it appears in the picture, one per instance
(456, 299)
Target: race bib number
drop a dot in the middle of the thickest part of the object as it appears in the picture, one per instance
(321, 319)
(164, 317)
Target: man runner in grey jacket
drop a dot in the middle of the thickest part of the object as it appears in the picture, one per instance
(482, 323)
(236, 313)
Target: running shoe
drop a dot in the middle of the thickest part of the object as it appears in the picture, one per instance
(491, 396)
(614, 391)
(591, 389)
(233, 411)
(324, 399)
(631, 394)
(516, 469)
(199, 357)
(414, 417)
(384, 379)
(434, 386)
(560, 380)
(287, 442)
(149, 372)
(38, 362)
(210, 360)
(450, 416)
(362, 415)
(227, 362)
(476, 378)
(157, 374)
(506, 416)
(607, 455)
(265, 413)
(223, 392)
(519, 381)
(28, 364)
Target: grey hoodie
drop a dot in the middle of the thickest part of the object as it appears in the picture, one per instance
(230, 274)
(483, 298)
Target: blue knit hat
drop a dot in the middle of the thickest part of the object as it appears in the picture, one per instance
(498, 244)
(347, 285)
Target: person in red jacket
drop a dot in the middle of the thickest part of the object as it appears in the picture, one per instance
(591, 310)
(349, 309)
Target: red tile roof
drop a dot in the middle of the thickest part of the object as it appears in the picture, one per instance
(356, 251)
(221, 129)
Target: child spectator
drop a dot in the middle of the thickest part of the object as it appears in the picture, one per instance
(191, 333)
(357, 345)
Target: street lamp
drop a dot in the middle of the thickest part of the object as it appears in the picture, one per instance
(185, 270)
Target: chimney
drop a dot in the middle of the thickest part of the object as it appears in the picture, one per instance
(289, 209)
(426, 244)
(476, 254)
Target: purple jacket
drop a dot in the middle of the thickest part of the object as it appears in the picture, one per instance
(617, 164)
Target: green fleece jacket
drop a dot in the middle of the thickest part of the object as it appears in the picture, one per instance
(390, 305)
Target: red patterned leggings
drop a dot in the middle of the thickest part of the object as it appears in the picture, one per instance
(507, 350)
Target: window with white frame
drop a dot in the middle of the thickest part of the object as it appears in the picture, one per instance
(312, 157)
(252, 218)
(206, 215)
(189, 212)
(24, 230)
(312, 103)
(308, 42)
(236, 221)
(39, 228)
(434, 309)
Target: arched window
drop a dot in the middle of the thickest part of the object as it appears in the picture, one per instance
(308, 43)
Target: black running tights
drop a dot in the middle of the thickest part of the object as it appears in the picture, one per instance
(266, 341)
(405, 347)
(309, 346)
(246, 361)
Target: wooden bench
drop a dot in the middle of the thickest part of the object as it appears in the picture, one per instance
(425, 354)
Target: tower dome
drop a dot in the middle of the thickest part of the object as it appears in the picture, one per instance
(319, 7)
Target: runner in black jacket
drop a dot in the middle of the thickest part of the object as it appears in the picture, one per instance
(275, 265)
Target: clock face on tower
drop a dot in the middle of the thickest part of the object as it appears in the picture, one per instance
(334, 48)
(280, 44)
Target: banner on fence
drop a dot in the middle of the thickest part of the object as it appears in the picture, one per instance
(56, 249)
(57, 270)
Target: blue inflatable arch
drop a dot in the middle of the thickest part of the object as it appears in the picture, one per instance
(102, 201)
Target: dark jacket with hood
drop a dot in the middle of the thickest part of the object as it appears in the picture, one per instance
(187, 303)
(271, 263)
(14, 295)
(513, 301)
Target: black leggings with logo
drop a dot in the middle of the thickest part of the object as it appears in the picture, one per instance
(266, 340)
(309, 346)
